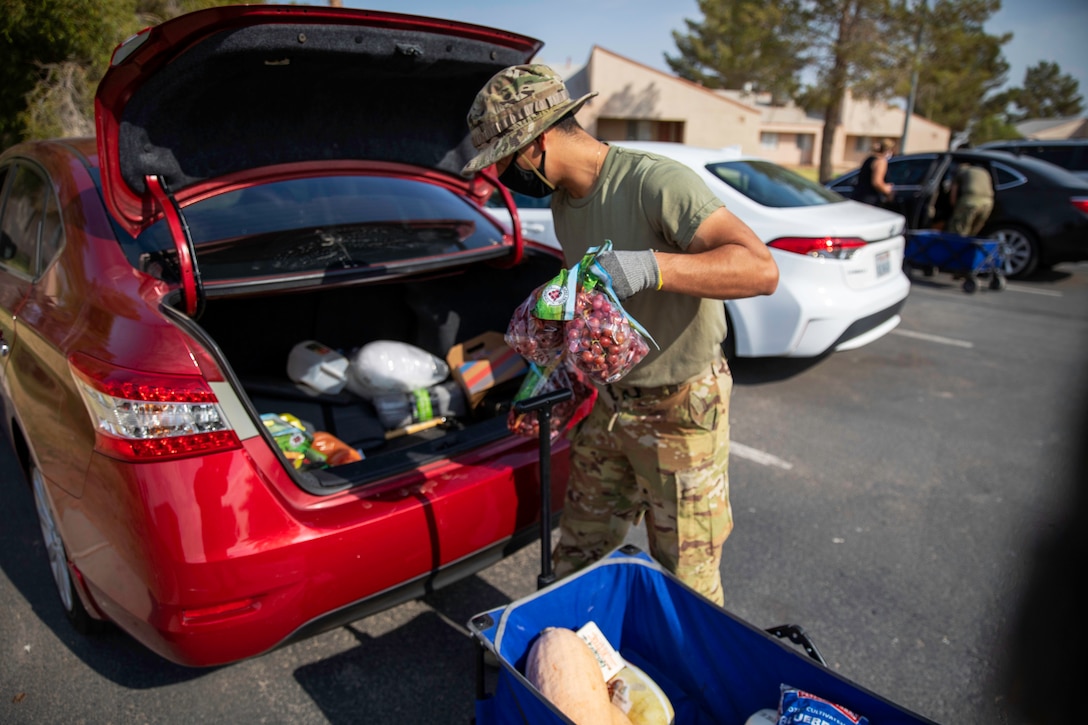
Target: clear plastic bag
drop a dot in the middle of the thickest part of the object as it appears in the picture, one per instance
(561, 374)
(388, 366)
(600, 339)
(537, 340)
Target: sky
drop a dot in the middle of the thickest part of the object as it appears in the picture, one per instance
(1050, 30)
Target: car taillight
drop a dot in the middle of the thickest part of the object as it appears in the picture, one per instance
(1081, 203)
(821, 247)
(150, 416)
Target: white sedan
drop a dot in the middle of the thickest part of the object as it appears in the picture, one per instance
(841, 281)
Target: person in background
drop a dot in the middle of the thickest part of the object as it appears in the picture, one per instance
(656, 444)
(972, 198)
(872, 187)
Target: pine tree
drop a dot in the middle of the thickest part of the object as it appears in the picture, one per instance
(757, 44)
(959, 64)
(856, 42)
(1047, 93)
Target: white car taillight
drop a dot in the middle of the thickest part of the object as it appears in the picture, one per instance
(141, 416)
(820, 247)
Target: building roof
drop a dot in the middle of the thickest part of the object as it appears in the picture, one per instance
(1054, 128)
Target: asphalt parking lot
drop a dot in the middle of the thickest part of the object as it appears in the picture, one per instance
(889, 499)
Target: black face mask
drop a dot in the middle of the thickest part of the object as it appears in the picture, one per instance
(530, 182)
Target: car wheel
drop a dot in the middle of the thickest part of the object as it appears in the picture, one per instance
(77, 614)
(1021, 251)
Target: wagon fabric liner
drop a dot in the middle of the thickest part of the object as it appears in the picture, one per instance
(953, 253)
(715, 668)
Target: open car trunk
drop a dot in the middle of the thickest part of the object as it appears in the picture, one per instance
(256, 334)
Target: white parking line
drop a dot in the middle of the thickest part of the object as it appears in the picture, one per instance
(1032, 291)
(757, 456)
(934, 338)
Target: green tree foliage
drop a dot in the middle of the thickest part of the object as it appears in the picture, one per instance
(36, 38)
(992, 127)
(855, 46)
(743, 43)
(56, 51)
(869, 48)
(1047, 93)
(958, 63)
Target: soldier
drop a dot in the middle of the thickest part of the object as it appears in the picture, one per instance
(657, 442)
(972, 198)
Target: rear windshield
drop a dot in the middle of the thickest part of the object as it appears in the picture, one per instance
(772, 185)
(319, 224)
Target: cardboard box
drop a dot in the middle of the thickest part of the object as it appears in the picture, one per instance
(482, 363)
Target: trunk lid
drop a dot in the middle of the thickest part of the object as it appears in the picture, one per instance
(227, 98)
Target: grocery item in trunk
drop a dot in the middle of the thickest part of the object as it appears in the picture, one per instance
(397, 410)
(320, 368)
(336, 451)
(295, 441)
(483, 362)
(388, 366)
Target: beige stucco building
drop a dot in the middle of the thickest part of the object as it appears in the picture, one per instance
(639, 102)
(1053, 129)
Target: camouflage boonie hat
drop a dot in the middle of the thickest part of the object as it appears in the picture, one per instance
(516, 106)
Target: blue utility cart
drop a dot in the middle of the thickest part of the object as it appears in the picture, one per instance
(715, 668)
(968, 257)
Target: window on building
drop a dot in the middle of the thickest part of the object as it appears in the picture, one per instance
(768, 140)
(643, 130)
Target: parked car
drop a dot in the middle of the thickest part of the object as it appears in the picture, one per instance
(263, 177)
(1071, 154)
(841, 283)
(534, 216)
(1040, 210)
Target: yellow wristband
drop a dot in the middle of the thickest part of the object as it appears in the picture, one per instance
(660, 280)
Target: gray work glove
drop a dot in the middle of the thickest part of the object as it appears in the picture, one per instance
(631, 271)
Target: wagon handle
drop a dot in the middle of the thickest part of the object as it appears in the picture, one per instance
(543, 404)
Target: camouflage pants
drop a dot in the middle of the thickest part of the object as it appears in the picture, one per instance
(662, 455)
(970, 215)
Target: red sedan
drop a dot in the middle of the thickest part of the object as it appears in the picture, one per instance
(264, 180)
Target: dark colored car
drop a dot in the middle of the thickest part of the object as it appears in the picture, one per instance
(1070, 154)
(1040, 210)
(263, 176)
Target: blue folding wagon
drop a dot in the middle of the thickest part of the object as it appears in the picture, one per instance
(715, 668)
(968, 257)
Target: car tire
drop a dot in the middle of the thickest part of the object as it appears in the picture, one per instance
(1021, 251)
(77, 614)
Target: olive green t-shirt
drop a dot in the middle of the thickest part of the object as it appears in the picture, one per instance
(975, 181)
(644, 201)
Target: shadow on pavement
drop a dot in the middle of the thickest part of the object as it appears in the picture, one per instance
(759, 371)
(112, 654)
(423, 671)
